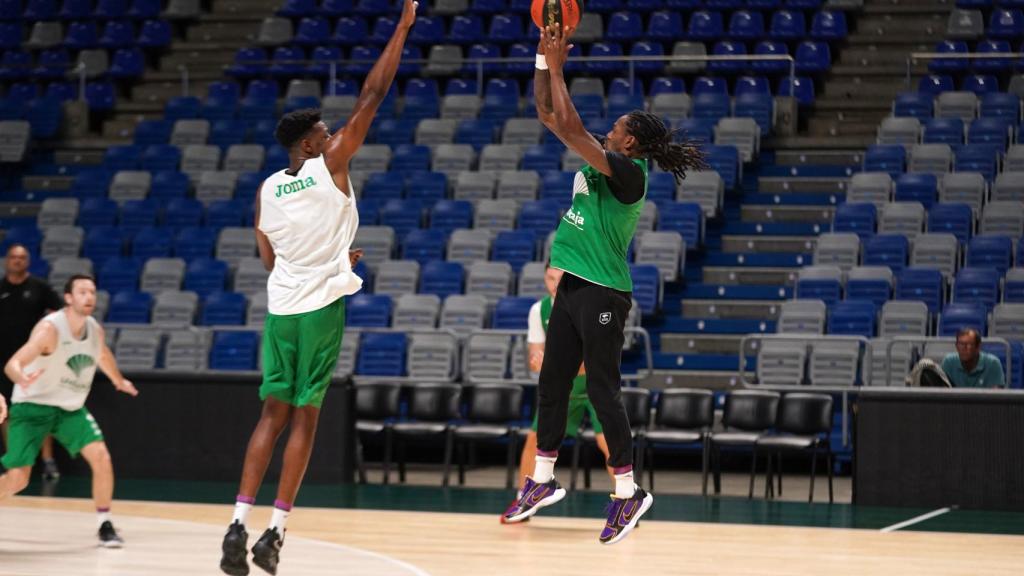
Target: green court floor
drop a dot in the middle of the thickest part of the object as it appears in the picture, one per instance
(668, 507)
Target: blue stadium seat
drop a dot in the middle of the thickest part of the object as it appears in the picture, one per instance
(993, 132)
(100, 96)
(119, 275)
(517, 247)
(662, 26)
(726, 161)
(91, 182)
(917, 187)
(181, 108)
(125, 157)
(978, 158)
(952, 218)
(75, 10)
(226, 132)
(801, 88)
(950, 65)
(857, 218)
(1013, 290)
(411, 158)
(61, 91)
(350, 31)
(97, 212)
(441, 278)
(646, 287)
(81, 36)
(383, 186)
(875, 290)
(460, 86)
(760, 107)
(154, 33)
(368, 311)
(29, 236)
(712, 107)
(828, 290)
(321, 59)
(127, 63)
(117, 34)
(683, 217)
(427, 30)
(770, 48)
(193, 243)
(297, 8)
(368, 211)
(511, 313)
(746, 25)
(234, 351)
(312, 32)
(477, 133)
(168, 184)
(959, 315)
(152, 242)
(977, 285)
(402, 215)
(335, 8)
(130, 308)
(728, 48)
(923, 284)
(948, 131)
(557, 185)
(381, 355)
(520, 50)
(980, 84)
(935, 83)
(604, 49)
(622, 104)
(424, 246)
(993, 65)
(430, 187)
(813, 57)
(829, 25)
(604, 6)
(136, 214)
(787, 25)
(624, 27)
(205, 276)
(506, 29)
(1005, 23)
(914, 104)
(885, 158)
(249, 62)
(752, 85)
(16, 64)
(661, 187)
(647, 50)
(541, 217)
(542, 158)
(466, 29)
(40, 10)
(395, 132)
(1001, 105)
(44, 117)
(993, 251)
(698, 129)
(705, 26)
(223, 213)
(287, 61)
(853, 318)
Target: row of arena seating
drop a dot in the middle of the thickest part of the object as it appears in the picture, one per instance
(970, 24)
(987, 157)
(32, 10)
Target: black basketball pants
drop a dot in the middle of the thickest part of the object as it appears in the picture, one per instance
(586, 326)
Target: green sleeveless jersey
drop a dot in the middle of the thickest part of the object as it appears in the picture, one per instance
(594, 235)
(579, 383)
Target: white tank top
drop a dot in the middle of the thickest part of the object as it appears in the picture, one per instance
(68, 370)
(310, 224)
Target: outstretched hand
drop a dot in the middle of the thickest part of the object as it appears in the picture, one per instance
(128, 388)
(30, 378)
(555, 45)
(409, 13)
(354, 256)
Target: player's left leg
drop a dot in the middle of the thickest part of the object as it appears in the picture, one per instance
(80, 434)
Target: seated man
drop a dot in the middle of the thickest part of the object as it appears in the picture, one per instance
(969, 367)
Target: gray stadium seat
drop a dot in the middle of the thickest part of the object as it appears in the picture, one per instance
(571, 161)
(581, 85)
(453, 159)
(63, 268)
(416, 311)
(244, 158)
(840, 249)
(965, 187)
(396, 277)
(460, 106)
(907, 218)
(235, 244)
(1009, 186)
(61, 241)
(896, 369)
(518, 185)
(190, 131)
(199, 158)
(589, 29)
(937, 350)
(703, 187)
(347, 354)
(175, 309)
(495, 215)
(940, 251)
(303, 89)
(500, 157)
(443, 60)
(1016, 85)
(431, 357)
(187, 350)
(256, 312)
(371, 158)
(965, 24)
(57, 212)
(781, 363)
(834, 363)
(959, 104)
(434, 131)
(743, 133)
(251, 276)
(45, 35)
(899, 130)
(93, 63)
(883, 273)
(869, 188)
(666, 250)
(274, 32)
(14, 138)
(648, 217)
(184, 10)
(216, 185)
(450, 7)
(531, 280)
(492, 280)
(463, 313)
(904, 318)
(486, 357)
(102, 305)
(1003, 218)
(377, 243)
(130, 185)
(822, 272)
(336, 108)
(672, 105)
(467, 246)
(522, 131)
(137, 348)
(801, 317)
(477, 185)
(931, 158)
(161, 274)
(1013, 160)
(1007, 321)
(687, 49)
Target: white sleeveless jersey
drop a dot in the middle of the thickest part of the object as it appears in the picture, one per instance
(68, 371)
(311, 225)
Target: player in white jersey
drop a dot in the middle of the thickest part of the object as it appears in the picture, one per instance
(53, 373)
(306, 220)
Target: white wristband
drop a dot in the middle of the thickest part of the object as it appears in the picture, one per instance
(542, 63)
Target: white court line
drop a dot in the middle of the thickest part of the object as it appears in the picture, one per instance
(915, 520)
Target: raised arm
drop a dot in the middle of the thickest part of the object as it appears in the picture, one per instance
(346, 142)
(542, 90)
(43, 340)
(567, 123)
(108, 365)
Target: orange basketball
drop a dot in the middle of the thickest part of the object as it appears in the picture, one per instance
(557, 12)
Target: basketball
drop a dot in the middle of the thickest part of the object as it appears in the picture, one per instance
(558, 12)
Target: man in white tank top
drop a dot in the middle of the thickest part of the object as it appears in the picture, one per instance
(53, 374)
(306, 220)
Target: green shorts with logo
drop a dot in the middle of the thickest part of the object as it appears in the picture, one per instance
(300, 352)
(31, 423)
(579, 405)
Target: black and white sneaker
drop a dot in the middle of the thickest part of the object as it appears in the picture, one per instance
(109, 537)
(267, 551)
(51, 473)
(233, 561)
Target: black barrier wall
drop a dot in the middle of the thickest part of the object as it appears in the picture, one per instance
(196, 427)
(936, 448)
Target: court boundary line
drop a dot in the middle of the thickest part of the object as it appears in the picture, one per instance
(916, 519)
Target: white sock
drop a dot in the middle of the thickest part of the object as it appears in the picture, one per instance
(102, 516)
(278, 519)
(242, 510)
(543, 469)
(624, 485)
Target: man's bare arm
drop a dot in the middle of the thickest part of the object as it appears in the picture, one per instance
(266, 251)
(108, 365)
(43, 340)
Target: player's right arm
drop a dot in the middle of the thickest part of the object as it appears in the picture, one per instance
(42, 341)
(542, 93)
(3, 409)
(344, 144)
(266, 251)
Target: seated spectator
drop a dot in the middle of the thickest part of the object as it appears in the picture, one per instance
(969, 367)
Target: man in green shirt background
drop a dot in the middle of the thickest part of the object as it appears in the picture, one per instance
(969, 367)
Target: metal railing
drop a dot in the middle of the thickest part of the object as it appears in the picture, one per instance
(914, 57)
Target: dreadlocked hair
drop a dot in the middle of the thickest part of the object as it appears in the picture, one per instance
(294, 125)
(677, 155)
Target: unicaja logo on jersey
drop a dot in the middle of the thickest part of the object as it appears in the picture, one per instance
(79, 362)
(294, 186)
(574, 218)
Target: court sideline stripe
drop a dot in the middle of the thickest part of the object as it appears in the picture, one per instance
(915, 520)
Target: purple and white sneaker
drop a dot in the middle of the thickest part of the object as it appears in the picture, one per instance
(535, 496)
(623, 514)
